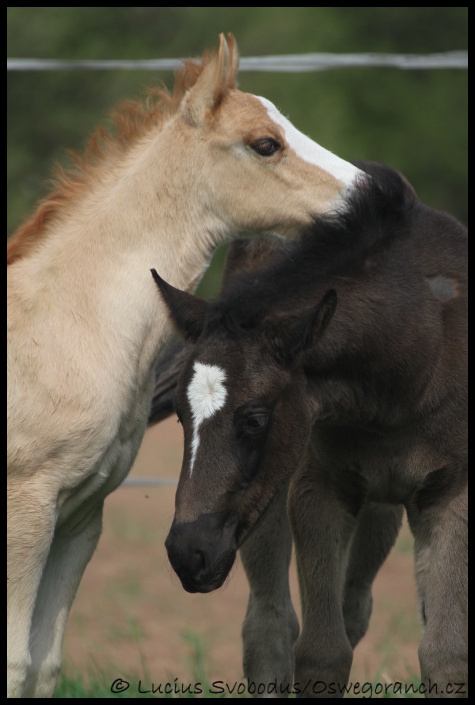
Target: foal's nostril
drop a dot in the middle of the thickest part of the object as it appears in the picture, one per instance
(198, 562)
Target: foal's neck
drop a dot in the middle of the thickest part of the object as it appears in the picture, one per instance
(92, 266)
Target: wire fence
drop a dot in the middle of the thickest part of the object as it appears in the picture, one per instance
(285, 64)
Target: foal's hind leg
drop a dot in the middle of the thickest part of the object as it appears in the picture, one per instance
(71, 550)
(377, 529)
(439, 525)
(270, 627)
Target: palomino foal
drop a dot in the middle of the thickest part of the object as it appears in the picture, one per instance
(341, 367)
(185, 172)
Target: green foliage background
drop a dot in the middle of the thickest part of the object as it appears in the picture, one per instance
(417, 121)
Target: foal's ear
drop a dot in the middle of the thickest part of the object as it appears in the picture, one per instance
(289, 336)
(216, 79)
(186, 311)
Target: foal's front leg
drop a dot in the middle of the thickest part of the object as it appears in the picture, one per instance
(322, 529)
(270, 627)
(71, 550)
(31, 518)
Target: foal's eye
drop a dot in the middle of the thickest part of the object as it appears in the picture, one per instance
(251, 421)
(251, 426)
(266, 146)
(256, 422)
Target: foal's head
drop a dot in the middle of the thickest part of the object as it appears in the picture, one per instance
(207, 161)
(256, 166)
(242, 401)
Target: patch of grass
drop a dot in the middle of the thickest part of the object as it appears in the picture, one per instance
(130, 631)
(108, 684)
(95, 684)
(200, 673)
(74, 685)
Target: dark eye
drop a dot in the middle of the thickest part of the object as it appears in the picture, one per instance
(252, 422)
(266, 146)
(256, 422)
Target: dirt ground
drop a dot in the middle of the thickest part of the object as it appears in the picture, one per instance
(132, 617)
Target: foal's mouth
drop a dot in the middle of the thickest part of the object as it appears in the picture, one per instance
(202, 552)
(210, 578)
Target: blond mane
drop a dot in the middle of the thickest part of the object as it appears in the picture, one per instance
(129, 122)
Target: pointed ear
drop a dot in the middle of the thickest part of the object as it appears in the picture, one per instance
(216, 79)
(186, 311)
(287, 336)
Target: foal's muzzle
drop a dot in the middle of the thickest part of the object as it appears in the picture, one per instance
(202, 552)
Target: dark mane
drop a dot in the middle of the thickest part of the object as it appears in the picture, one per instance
(379, 211)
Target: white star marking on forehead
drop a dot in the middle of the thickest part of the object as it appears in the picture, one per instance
(310, 151)
(206, 394)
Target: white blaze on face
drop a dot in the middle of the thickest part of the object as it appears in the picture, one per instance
(206, 394)
(310, 151)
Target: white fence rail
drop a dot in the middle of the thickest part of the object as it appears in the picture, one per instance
(286, 64)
